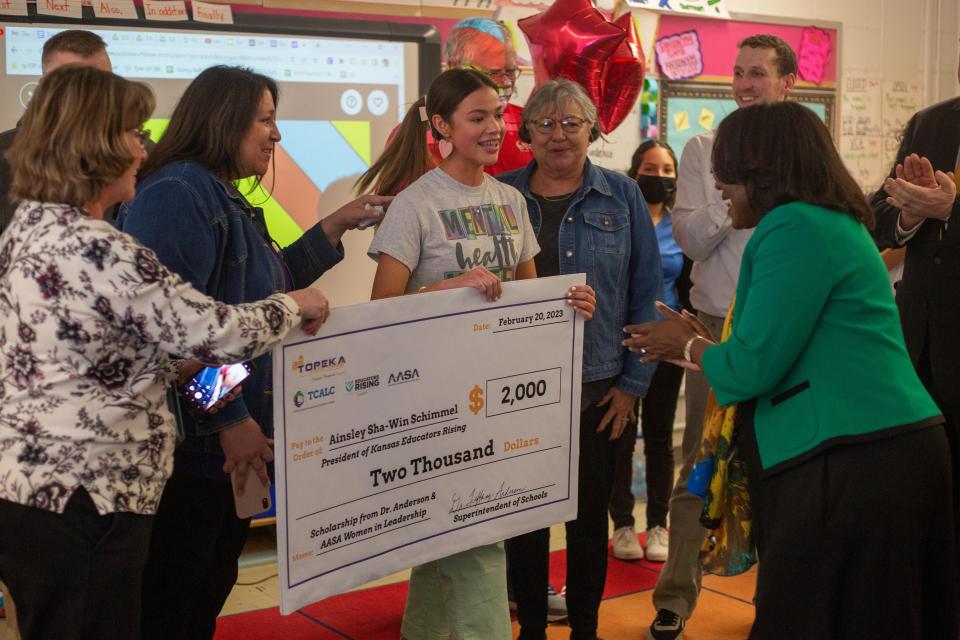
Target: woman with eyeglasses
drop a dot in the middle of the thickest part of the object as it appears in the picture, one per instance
(588, 219)
(89, 319)
(189, 210)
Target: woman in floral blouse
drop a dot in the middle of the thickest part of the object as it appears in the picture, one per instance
(88, 321)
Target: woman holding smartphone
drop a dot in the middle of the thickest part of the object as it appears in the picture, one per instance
(90, 318)
(190, 212)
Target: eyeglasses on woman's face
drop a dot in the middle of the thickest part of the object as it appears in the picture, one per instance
(507, 74)
(143, 137)
(570, 124)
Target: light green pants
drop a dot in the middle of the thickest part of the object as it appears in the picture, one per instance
(463, 596)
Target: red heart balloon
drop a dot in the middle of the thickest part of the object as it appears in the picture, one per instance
(571, 39)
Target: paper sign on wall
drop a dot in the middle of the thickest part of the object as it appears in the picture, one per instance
(122, 9)
(706, 119)
(860, 106)
(60, 8)
(680, 56)
(901, 99)
(13, 7)
(171, 10)
(815, 47)
(705, 8)
(212, 13)
(863, 156)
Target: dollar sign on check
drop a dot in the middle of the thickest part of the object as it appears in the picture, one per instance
(476, 399)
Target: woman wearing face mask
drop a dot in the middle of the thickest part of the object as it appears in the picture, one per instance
(654, 166)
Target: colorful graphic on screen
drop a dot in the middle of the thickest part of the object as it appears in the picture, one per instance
(310, 156)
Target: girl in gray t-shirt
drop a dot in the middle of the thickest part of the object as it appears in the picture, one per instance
(456, 227)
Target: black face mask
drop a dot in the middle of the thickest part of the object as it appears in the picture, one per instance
(657, 189)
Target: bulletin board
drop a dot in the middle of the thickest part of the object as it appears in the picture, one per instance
(688, 109)
(699, 102)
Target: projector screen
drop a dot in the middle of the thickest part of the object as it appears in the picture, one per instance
(344, 85)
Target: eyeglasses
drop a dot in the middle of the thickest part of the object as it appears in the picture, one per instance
(509, 73)
(143, 137)
(570, 124)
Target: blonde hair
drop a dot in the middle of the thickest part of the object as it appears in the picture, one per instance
(71, 142)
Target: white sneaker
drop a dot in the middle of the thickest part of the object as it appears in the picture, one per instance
(556, 605)
(658, 544)
(625, 545)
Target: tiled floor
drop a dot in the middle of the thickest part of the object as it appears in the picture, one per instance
(724, 611)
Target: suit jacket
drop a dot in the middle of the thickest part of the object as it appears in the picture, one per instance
(929, 293)
(816, 339)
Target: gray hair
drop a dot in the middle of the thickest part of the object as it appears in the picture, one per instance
(463, 33)
(554, 95)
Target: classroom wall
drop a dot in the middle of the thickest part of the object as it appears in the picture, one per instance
(894, 38)
(896, 56)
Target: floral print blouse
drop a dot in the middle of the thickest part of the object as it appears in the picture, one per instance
(89, 318)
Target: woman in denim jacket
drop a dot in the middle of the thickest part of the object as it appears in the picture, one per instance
(188, 210)
(591, 220)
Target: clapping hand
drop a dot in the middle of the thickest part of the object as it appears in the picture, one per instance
(920, 192)
(666, 339)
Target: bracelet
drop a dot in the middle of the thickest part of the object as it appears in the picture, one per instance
(688, 348)
(422, 289)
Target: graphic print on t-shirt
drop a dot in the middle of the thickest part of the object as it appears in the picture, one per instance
(484, 238)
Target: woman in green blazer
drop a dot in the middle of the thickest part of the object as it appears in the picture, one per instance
(848, 462)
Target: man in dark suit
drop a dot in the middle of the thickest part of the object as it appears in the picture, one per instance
(918, 208)
(67, 47)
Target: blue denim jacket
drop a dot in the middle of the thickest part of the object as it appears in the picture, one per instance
(608, 234)
(204, 230)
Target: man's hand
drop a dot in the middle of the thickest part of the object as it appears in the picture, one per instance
(921, 193)
(917, 170)
(244, 444)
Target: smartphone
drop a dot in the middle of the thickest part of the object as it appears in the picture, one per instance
(256, 496)
(377, 216)
(212, 383)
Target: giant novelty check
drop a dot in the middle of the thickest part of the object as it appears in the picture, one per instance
(416, 427)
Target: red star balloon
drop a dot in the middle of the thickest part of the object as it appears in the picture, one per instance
(571, 39)
(622, 78)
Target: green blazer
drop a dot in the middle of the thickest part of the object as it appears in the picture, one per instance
(816, 339)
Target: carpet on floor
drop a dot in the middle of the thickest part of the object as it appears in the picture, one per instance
(375, 614)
